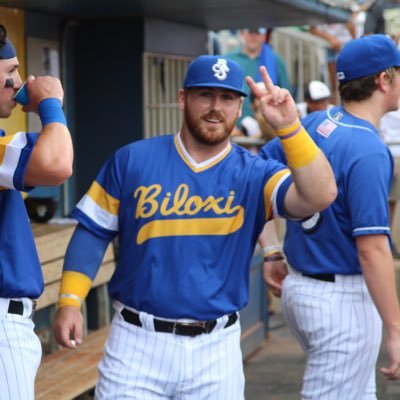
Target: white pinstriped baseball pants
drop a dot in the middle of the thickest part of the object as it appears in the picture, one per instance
(20, 353)
(340, 330)
(139, 363)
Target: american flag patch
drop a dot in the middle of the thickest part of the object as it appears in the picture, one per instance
(326, 128)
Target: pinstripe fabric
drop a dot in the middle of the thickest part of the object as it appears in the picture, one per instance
(340, 331)
(20, 354)
(139, 363)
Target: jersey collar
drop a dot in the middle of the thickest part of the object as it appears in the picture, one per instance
(192, 164)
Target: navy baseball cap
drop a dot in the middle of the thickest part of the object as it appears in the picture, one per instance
(214, 71)
(365, 56)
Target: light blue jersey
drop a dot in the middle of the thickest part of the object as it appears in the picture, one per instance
(20, 271)
(187, 231)
(363, 167)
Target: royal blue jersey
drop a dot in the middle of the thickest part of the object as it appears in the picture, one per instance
(20, 271)
(186, 231)
(363, 168)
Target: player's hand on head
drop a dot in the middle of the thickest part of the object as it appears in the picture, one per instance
(274, 273)
(68, 326)
(277, 105)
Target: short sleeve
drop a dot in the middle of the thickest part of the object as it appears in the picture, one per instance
(367, 189)
(99, 207)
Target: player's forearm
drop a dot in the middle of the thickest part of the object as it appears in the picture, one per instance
(52, 156)
(81, 263)
(377, 266)
(314, 186)
(51, 159)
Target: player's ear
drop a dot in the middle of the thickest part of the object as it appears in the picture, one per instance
(383, 81)
(181, 99)
(240, 107)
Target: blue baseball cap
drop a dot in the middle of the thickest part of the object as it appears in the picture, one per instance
(366, 56)
(214, 71)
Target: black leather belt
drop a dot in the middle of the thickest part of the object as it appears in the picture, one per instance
(321, 277)
(179, 328)
(17, 307)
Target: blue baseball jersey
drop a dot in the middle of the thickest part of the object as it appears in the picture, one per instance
(20, 271)
(186, 231)
(363, 168)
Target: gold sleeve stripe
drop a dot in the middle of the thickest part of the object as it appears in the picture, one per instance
(4, 141)
(103, 199)
(74, 286)
(269, 190)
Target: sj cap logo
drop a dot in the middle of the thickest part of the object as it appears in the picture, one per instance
(220, 68)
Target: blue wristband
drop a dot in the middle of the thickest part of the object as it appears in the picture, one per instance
(50, 110)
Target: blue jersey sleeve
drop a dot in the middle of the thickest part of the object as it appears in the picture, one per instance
(85, 252)
(367, 184)
(15, 152)
(98, 210)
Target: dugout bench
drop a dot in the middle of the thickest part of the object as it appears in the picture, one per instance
(65, 374)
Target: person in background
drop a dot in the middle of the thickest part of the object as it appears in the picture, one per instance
(375, 21)
(390, 131)
(26, 160)
(340, 284)
(337, 35)
(317, 97)
(256, 52)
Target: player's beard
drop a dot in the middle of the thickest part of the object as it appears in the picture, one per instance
(204, 132)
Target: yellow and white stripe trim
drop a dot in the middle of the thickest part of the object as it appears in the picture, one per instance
(101, 207)
(270, 192)
(10, 153)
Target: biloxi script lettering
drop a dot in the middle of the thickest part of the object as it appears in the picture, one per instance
(150, 201)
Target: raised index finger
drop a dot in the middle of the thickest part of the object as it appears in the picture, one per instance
(266, 79)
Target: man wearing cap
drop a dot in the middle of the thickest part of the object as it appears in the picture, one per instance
(188, 209)
(26, 160)
(255, 52)
(341, 284)
(317, 97)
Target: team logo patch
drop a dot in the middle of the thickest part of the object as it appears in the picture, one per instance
(220, 69)
(338, 116)
(326, 128)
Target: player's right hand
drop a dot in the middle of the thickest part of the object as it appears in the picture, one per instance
(274, 273)
(393, 347)
(68, 327)
(40, 88)
(276, 104)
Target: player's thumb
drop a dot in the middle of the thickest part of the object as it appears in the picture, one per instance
(78, 334)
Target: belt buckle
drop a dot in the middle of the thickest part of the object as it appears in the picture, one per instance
(200, 325)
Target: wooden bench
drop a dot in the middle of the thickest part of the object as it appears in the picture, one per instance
(65, 374)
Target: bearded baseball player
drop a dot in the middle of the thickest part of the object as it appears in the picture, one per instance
(26, 160)
(188, 209)
(341, 282)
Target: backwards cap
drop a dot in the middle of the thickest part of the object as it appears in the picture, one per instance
(214, 71)
(366, 56)
(317, 90)
(6, 48)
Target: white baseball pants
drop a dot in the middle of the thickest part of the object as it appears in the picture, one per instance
(20, 353)
(139, 363)
(340, 330)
